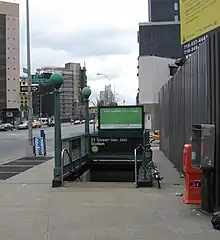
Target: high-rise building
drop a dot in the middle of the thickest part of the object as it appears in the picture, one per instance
(161, 35)
(9, 58)
(70, 91)
(163, 11)
(106, 97)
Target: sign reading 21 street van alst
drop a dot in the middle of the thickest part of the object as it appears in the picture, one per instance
(113, 145)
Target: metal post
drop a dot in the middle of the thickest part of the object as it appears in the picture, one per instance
(56, 81)
(87, 123)
(30, 133)
(86, 116)
(135, 168)
(86, 92)
(41, 109)
(57, 134)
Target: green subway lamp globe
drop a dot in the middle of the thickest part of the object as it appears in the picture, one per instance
(56, 79)
(86, 92)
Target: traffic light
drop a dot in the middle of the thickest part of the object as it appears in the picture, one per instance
(23, 101)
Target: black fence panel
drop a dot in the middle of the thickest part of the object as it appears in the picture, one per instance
(184, 100)
(192, 96)
(214, 78)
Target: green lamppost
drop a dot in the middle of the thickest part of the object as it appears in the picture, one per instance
(86, 92)
(57, 80)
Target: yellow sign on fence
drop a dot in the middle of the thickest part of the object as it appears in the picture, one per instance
(198, 17)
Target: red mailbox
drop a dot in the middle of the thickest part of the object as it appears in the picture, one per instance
(193, 178)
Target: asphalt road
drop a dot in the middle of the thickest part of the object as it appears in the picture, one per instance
(14, 144)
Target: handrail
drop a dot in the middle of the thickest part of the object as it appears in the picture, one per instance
(65, 150)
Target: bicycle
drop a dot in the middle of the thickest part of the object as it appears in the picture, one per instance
(155, 173)
(148, 164)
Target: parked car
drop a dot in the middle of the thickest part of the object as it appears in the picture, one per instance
(77, 122)
(156, 135)
(23, 125)
(92, 121)
(36, 124)
(83, 121)
(6, 127)
(51, 123)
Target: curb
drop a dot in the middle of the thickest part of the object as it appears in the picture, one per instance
(10, 160)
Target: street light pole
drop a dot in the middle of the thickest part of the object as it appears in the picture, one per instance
(102, 74)
(41, 107)
(86, 92)
(30, 133)
(57, 81)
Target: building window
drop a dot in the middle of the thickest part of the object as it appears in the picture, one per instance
(176, 6)
(176, 18)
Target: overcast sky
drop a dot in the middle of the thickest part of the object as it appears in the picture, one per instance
(101, 32)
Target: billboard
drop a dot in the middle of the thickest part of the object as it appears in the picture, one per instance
(198, 17)
(124, 117)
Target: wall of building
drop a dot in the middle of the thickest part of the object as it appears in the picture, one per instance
(12, 54)
(153, 72)
(3, 87)
(167, 10)
(160, 39)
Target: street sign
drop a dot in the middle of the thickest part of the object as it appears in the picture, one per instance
(43, 78)
(25, 88)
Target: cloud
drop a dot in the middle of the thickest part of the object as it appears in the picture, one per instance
(86, 42)
(101, 33)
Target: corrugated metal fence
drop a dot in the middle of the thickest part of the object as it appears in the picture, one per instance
(192, 97)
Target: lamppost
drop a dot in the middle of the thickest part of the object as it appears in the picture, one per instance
(102, 74)
(30, 130)
(86, 92)
(57, 80)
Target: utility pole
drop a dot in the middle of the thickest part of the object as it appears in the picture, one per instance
(30, 133)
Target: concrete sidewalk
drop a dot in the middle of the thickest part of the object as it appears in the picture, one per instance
(31, 209)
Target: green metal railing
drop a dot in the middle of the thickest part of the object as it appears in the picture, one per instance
(75, 154)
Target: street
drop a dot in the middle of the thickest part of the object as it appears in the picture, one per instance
(13, 144)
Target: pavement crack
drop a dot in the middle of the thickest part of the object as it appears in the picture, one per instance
(49, 215)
